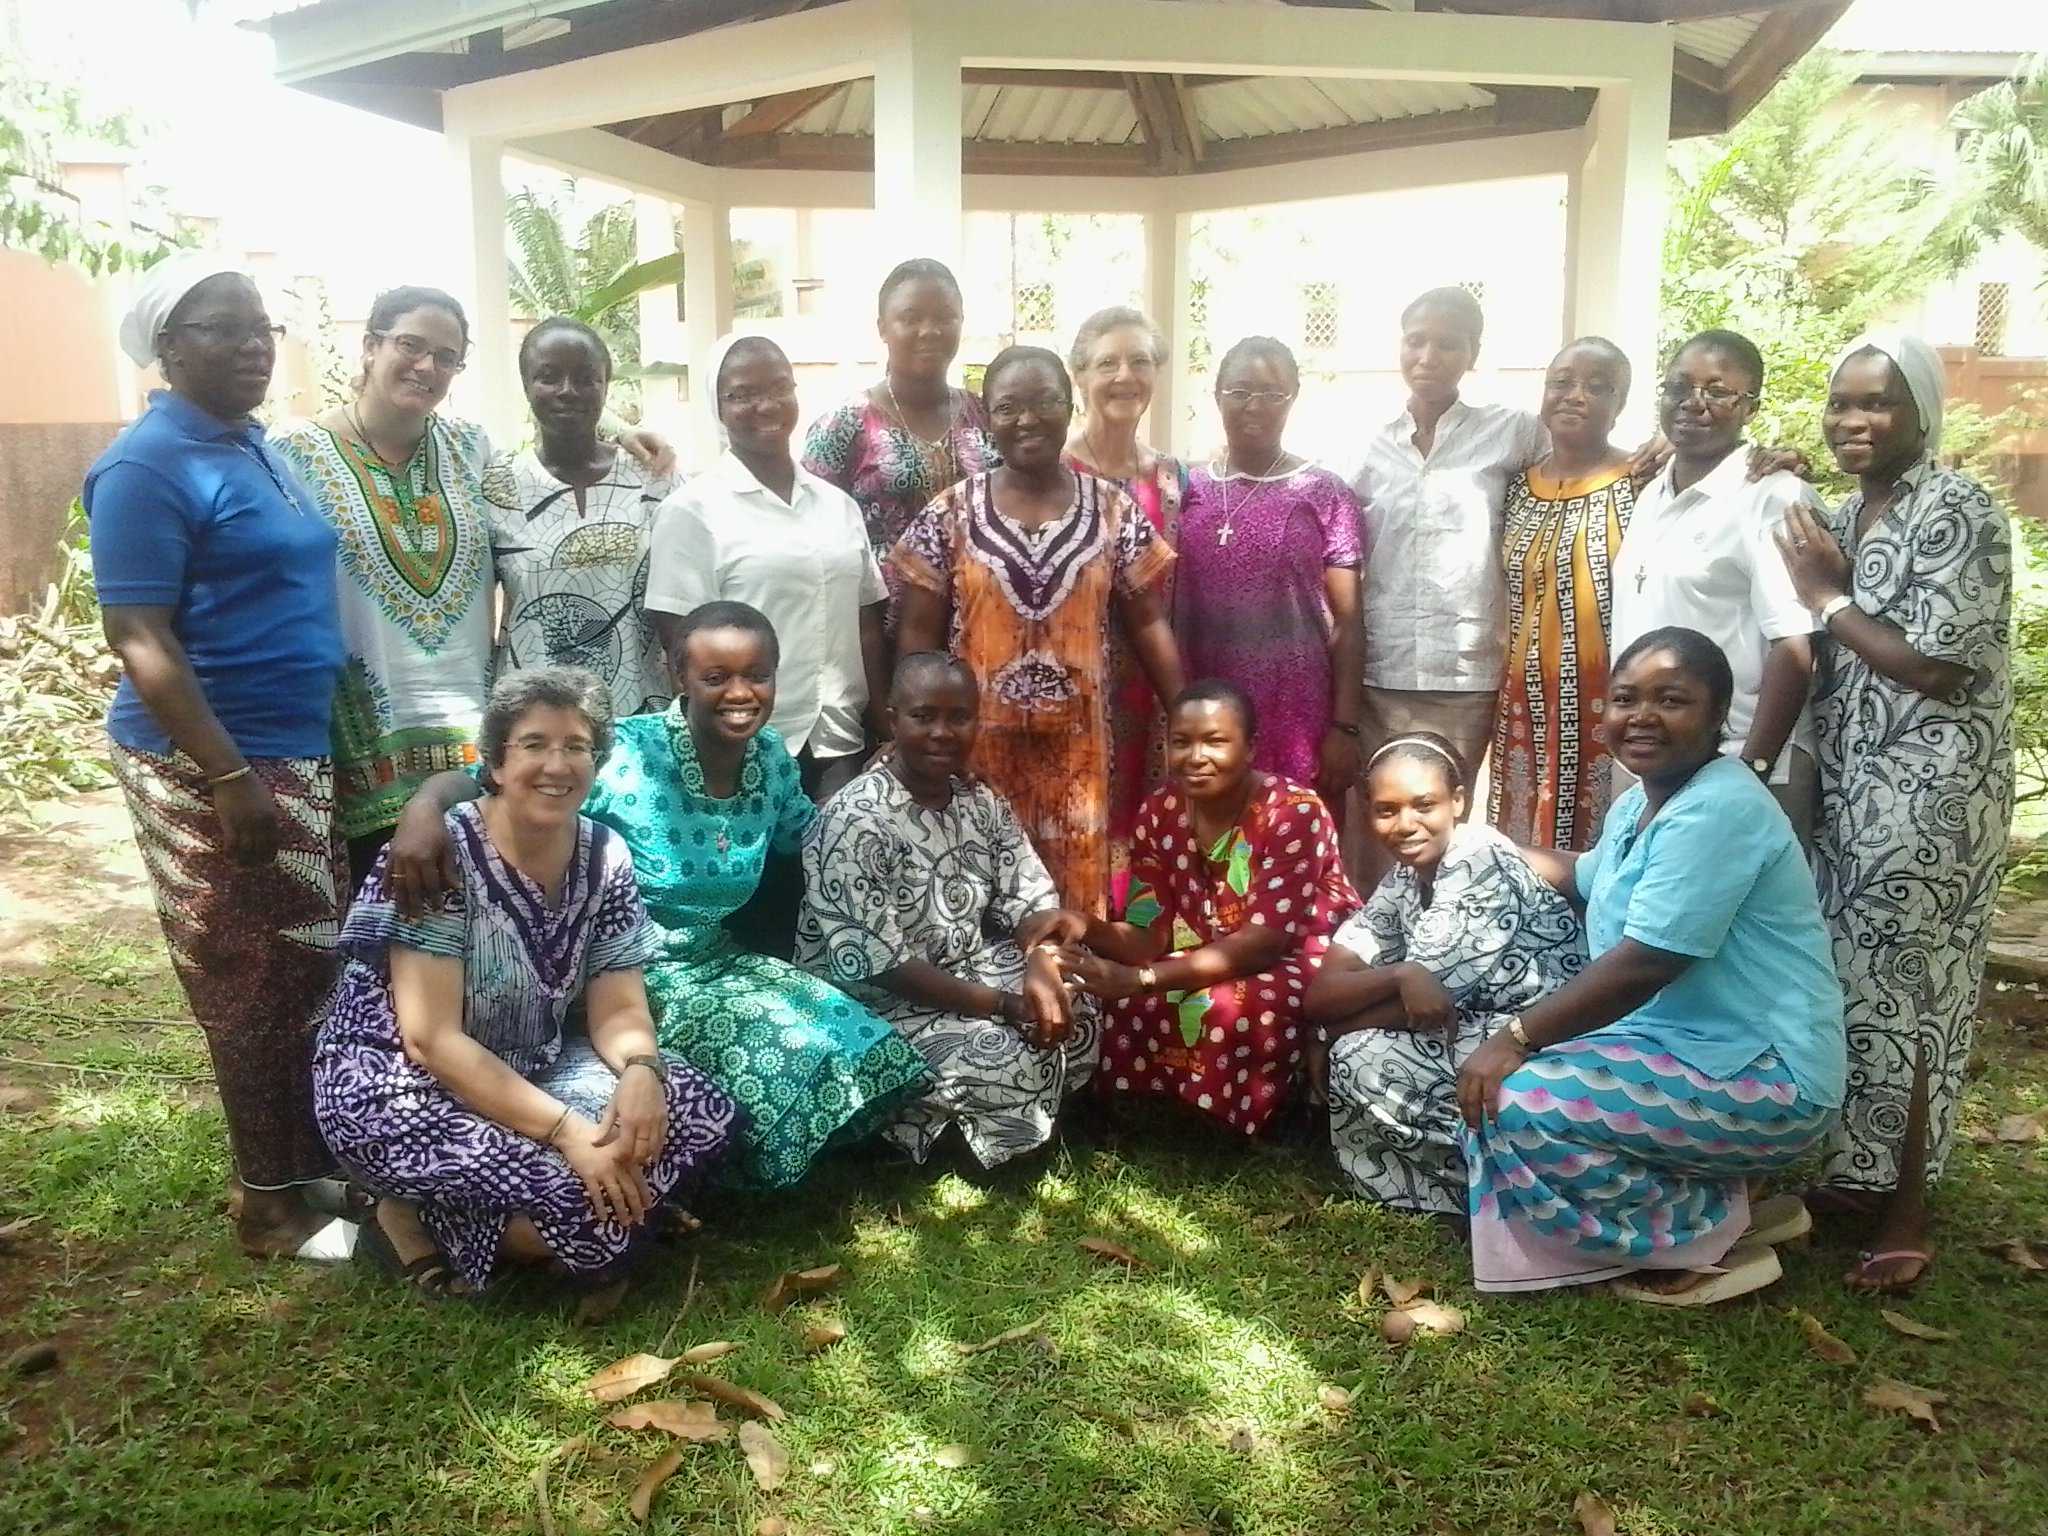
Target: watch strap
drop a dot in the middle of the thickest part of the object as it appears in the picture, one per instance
(652, 1063)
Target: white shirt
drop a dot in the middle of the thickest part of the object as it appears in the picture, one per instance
(1436, 603)
(805, 563)
(1704, 558)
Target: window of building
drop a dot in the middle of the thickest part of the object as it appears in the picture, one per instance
(1994, 306)
(1319, 316)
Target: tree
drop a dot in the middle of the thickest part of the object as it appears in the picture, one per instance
(2002, 153)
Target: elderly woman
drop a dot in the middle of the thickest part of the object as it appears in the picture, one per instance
(700, 794)
(216, 583)
(442, 1077)
(1460, 934)
(1115, 359)
(1615, 1120)
(1911, 580)
(923, 898)
(905, 439)
(1236, 887)
(569, 521)
(1017, 571)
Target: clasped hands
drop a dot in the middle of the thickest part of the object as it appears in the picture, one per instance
(611, 1156)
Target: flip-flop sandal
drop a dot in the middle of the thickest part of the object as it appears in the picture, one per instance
(1857, 1280)
(1780, 1219)
(428, 1276)
(1748, 1267)
(1831, 1200)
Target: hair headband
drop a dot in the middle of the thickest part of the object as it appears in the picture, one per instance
(1457, 773)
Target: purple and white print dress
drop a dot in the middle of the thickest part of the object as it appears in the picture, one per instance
(402, 1134)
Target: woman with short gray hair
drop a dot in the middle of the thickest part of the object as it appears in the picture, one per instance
(442, 1077)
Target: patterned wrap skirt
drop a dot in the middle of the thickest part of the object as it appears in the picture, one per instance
(1608, 1154)
(255, 948)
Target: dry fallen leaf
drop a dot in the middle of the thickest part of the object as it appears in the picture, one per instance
(704, 1354)
(2024, 1128)
(1275, 1223)
(1243, 1440)
(1820, 1341)
(16, 1227)
(1016, 1335)
(766, 1458)
(686, 1421)
(1368, 1283)
(771, 1525)
(733, 1395)
(1433, 1318)
(1919, 1402)
(1700, 1406)
(1110, 1253)
(955, 1456)
(793, 1284)
(1595, 1518)
(1900, 1323)
(650, 1483)
(622, 1378)
(2018, 1252)
(1397, 1327)
(822, 1336)
(1334, 1399)
(1400, 1292)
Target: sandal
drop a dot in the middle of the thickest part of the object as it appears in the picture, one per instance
(1860, 1278)
(1747, 1267)
(1839, 1200)
(1780, 1219)
(428, 1275)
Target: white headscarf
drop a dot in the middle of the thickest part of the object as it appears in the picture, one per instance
(1918, 364)
(157, 293)
(715, 365)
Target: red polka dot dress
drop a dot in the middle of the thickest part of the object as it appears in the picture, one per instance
(1232, 1050)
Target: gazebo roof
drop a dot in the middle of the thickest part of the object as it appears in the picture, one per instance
(396, 57)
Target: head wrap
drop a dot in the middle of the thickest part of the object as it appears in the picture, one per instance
(1918, 364)
(715, 365)
(157, 293)
(1457, 772)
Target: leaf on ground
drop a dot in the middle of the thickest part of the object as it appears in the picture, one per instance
(1016, 1335)
(1820, 1341)
(1900, 1323)
(1243, 1440)
(766, 1458)
(1397, 1327)
(2024, 1128)
(1334, 1399)
(1368, 1283)
(1109, 1252)
(955, 1456)
(598, 1306)
(1595, 1518)
(1902, 1397)
(2018, 1252)
(771, 1525)
(1432, 1318)
(622, 1378)
(1277, 1222)
(794, 1284)
(733, 1395)
(16, 1227)
(1400, 1292)
(1700, 1406)
(657, 1473)
(686, 1421)
(820, 1337)
(704, 1354)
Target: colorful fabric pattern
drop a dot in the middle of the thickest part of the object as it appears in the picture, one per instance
(891, 472)
(575, 580)
(525, 962)
(254, 949)
(887, 881)
(1232, 1050)
(1915, 809)
(1550, 773)
(1253, 607)
(1029, 611)
(415, 590)
(808, 1064)
(1498, 938)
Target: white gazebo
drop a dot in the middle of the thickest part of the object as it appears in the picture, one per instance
(923, 109)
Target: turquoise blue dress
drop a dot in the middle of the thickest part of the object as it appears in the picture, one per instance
(810, 1066)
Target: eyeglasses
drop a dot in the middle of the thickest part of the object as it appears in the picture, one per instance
(1110, 367)
(1714, 397)
(1592, 389)
(1007, 413)
(1255, 396)
(743, 399)
(540, 747)
(221, 333)
(416, 347)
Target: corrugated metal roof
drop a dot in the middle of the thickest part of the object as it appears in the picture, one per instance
(1716, 41)
(1954, 26)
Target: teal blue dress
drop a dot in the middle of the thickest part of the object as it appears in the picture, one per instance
(810, 1066)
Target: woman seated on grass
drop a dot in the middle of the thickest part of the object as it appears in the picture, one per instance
(924, 899)
(1236, 887)
(1460, 933)
(441, 1076)
(1614, 1122)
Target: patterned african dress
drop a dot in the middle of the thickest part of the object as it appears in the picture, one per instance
(575, 580)
(888, 881)
(808, 1064)
(1550, 768)
(1029, 611)
(525, 962)
(1251, 604)
(1498, 938)
(415, 588)
(1916, 803)
(1137, 720)
(1232, 1050)
(890, 472)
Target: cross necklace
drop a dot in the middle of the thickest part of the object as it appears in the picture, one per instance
(1229, 512)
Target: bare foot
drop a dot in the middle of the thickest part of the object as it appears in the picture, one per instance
(408, 1234)
(1670, 1282)
(273, 1223)
(1901, 1248)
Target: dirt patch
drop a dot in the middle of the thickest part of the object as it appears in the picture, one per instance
(79, 865)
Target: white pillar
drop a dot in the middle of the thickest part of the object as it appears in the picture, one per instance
(1166, 288)
(707, 314)
(917, 139)
(1615, 228)
(662, 337)
(479, 172)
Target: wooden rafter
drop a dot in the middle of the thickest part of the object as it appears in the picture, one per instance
(856, 152)
(1696, 71)
(1778, 40)
(1173, 133)
(772, 114)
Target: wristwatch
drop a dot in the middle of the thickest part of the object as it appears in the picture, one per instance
(1760, 766)
(1833, 606)
(1148, 979)
(1519, 1035)
(652, 1063)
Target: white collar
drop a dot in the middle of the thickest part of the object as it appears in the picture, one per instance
(1404, 424)
(735, 477)
(1731, 474)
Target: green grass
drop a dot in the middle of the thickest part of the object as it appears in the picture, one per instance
(203, 1394)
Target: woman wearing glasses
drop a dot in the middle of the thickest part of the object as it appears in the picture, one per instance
(1016, 571)
(1266, 590)
(1701, 554)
